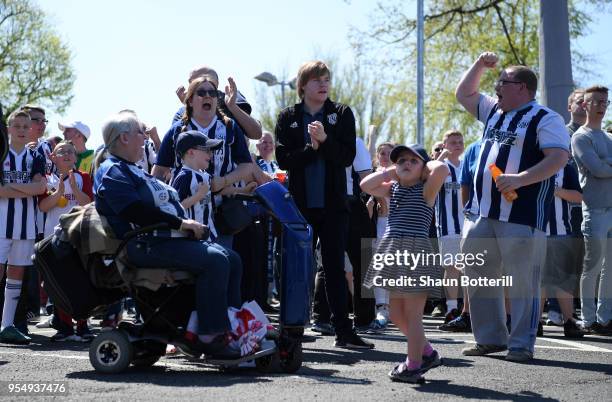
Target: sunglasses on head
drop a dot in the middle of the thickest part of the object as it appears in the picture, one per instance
(201, 92)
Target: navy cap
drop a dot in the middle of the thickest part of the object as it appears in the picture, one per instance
(416, 149)
(193, 138)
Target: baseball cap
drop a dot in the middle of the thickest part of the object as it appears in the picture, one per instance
(193, 138)
(79, 125)
(416, 149)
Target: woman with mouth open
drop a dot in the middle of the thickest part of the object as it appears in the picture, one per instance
(232, 161)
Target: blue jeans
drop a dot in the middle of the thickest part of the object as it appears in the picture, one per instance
(218, 273)
(597, 230)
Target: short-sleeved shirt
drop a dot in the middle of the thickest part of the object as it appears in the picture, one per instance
(83, 182)
(315, 170)
(225, 159)
(361, 163)
(119, 183)
(514, 141)
(18, 216)
(449, 219)
(85, 161)
(560, 217)
(468, 169)
(186, 184)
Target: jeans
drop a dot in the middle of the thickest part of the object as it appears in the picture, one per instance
(218, 274)
(597, 230)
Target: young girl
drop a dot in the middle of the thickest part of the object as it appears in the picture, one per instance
(68, 188)
(412, 185)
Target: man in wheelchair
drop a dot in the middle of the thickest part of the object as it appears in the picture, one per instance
(130, 198)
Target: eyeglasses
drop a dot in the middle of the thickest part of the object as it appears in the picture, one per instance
(501, 83)
(438, 150)
(65, 152)
(201, 92)
(599, 103)
(40, 120)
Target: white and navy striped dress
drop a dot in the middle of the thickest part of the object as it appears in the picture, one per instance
(407, 230)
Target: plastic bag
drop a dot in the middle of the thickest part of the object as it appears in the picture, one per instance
(249, 327)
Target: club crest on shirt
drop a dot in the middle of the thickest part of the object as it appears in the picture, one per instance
(294, 125)
(332, 118)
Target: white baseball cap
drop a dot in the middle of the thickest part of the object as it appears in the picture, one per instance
(79, 125)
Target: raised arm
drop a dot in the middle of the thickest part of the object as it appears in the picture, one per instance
(467, 91)
(379, 183)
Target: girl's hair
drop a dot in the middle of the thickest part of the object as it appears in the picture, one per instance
(378, 149)
(111, 130)
(191, 90)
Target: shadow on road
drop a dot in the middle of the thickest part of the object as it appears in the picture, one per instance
(469, 392)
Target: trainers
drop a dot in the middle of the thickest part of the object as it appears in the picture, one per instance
(597, 329)
(431, 361)
(572, 330)
(382, 315)
(46, 322)
(554, 318)
(84, 332)
(352, 341)
(540, 329)
(438, 311)
(61, 336)
(13, 336)
(481, 350)
(323, 328)
(30, 315)
(401, 373)
(451, 315)
(519, 355)
(459, 324)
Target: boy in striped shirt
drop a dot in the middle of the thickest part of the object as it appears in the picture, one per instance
(23, 178)
(449, 214)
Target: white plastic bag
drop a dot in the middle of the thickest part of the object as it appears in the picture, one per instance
(249, 327)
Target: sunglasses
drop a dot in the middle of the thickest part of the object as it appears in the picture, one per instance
(207, 92)
(40, 120)
(438, 150)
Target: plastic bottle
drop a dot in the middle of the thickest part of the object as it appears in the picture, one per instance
(495, 172)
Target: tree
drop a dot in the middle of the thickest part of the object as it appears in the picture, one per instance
(456, 31)
(35, 65)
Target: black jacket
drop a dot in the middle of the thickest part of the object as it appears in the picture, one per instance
(338, 151)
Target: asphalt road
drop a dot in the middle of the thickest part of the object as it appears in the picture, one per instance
(563, 370)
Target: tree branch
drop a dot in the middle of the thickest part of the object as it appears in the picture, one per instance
(501, 18)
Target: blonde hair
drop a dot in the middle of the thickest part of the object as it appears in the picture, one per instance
(18, 113)
(308, 71)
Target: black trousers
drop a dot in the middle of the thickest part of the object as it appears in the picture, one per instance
(331, 290)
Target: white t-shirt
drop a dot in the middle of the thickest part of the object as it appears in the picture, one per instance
(361, 163)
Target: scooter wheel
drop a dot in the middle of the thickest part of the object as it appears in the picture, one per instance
(111, 352)
(268, 364)
(291, 361)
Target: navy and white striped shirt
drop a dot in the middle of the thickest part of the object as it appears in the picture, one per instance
(18, 215)
(449, 218)
(186, 184)
(559, 224)
(268, 167)
(514, 141)
(225, 159)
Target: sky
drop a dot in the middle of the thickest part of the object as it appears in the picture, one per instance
(134, 53)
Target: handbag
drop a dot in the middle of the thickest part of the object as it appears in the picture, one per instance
(232, 216)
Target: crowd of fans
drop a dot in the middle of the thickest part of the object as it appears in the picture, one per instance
(546, 220)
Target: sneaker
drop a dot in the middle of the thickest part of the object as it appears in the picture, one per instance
(438, 311)
(554, 318)
(431, 361)
(481, 350)
(401, 373)
(451, 315)
(352, 341)
(61, 336)
(572, 330)
(30, 315)
(519, 355)
(597, 329)
(46, 322)
(323, 328)
(540, 329)
(13, 336)
(459, 324)
(382, 315)
(84, 333)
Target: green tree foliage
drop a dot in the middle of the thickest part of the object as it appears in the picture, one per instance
(34, 62)
(456, 32)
